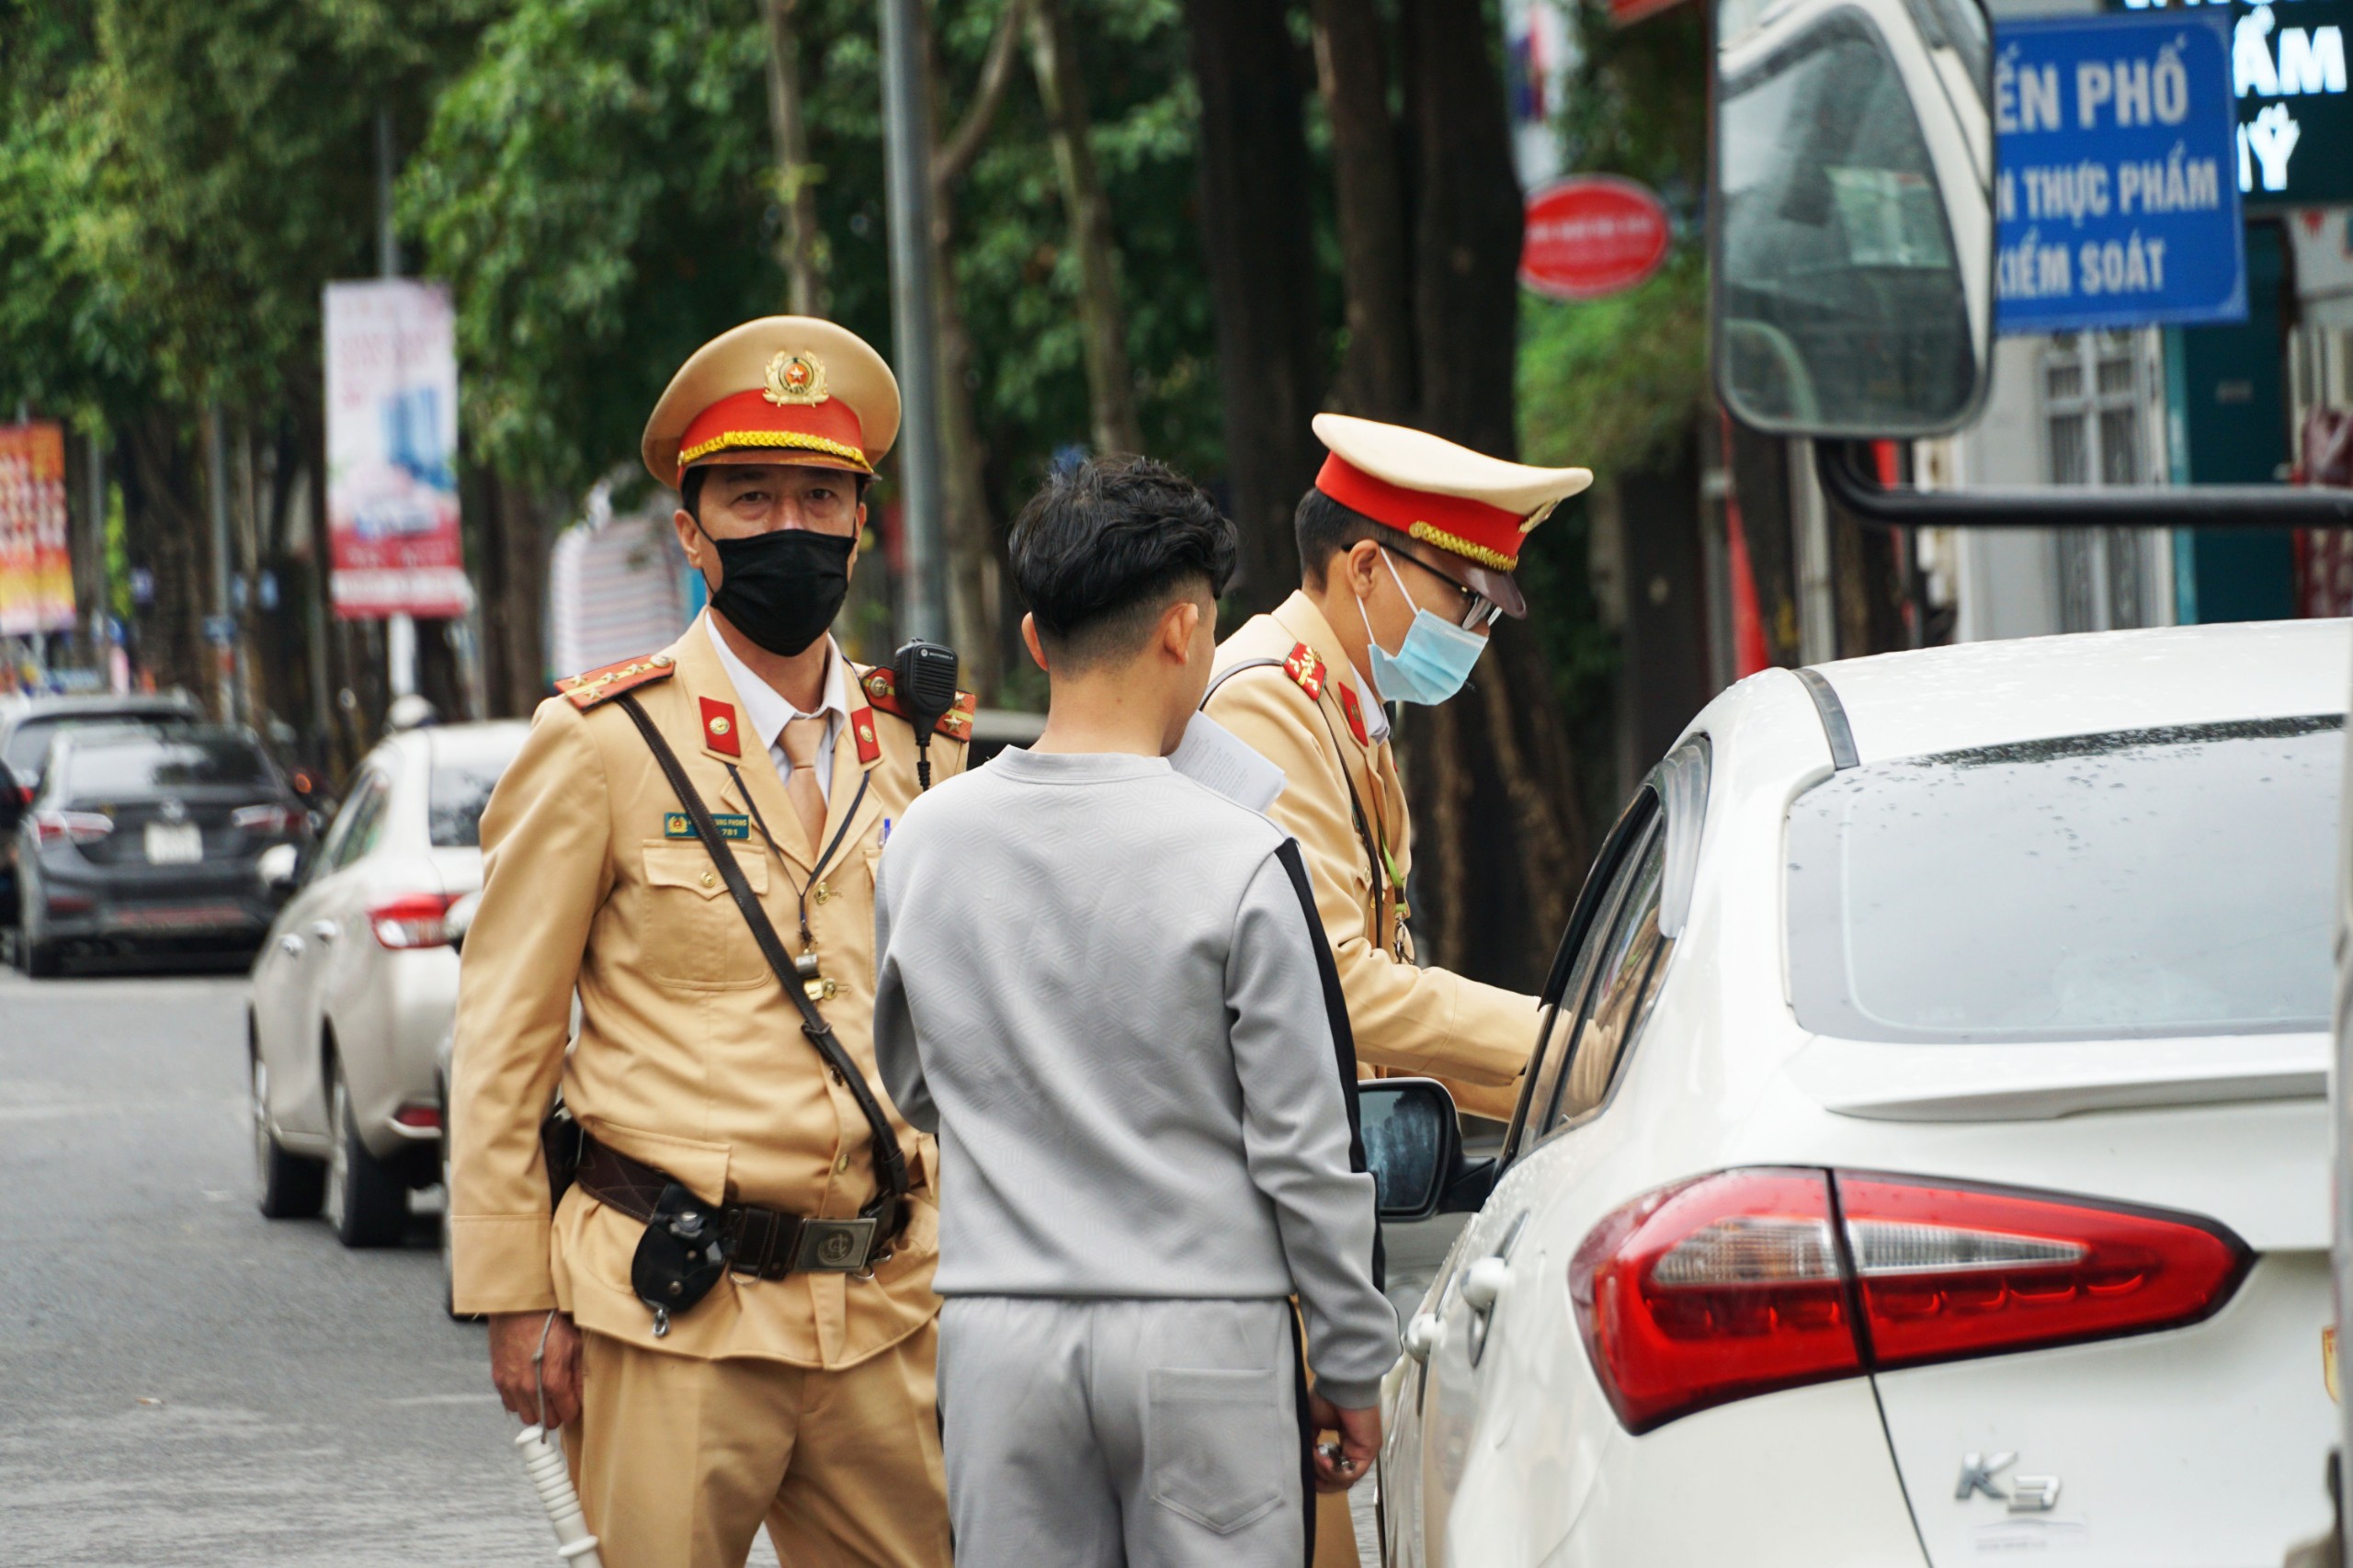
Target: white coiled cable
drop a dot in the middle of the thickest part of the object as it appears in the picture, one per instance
(543, 1461)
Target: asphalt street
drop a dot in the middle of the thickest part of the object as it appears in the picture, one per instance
(182, 1381)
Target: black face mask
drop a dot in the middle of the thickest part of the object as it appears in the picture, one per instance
(782, 589)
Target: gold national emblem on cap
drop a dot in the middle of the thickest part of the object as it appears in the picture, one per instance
(795, 378)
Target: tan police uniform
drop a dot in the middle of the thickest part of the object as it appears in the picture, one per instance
(1284, 684)
(805, 1400)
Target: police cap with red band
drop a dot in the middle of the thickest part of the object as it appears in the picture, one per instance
(1472, 511)
(780, 390)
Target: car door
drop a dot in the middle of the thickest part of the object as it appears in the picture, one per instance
(290, 980)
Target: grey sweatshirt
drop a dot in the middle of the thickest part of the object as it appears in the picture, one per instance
(1094, 980)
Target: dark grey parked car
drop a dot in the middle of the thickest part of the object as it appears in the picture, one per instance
(28, 726)
(153, 837)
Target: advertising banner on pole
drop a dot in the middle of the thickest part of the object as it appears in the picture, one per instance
(392, 452)
(2115, 180)
(36, 570)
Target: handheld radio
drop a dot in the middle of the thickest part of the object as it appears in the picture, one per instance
(925, 676)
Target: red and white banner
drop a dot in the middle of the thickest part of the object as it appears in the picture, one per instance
(392, 452)
(36, 571)
(1592, 235)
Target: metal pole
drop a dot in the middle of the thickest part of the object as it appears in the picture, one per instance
(224, 660)
(399, 632)
(906, 136)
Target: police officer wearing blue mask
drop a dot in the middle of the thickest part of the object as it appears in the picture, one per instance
(1406, 546)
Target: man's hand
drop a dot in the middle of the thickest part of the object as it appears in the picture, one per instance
(1359, 1433)
(514, 1341)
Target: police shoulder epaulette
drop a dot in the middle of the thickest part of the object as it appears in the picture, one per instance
(584, 691)
(1304, 667)
(883, 692)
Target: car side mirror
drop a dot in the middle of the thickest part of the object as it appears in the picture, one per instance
(279, 868)
(1852, 235)
(1412, 1145)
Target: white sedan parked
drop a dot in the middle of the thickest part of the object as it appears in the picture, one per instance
(354, 988)
(1927, 1161)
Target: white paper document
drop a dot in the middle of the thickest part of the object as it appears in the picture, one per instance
(1213, 755)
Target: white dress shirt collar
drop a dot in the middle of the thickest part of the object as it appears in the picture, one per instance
(1376, 717)
(765, 712)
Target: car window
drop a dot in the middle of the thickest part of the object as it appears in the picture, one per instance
(2138, 884)
(29, 742)
(1621, 859)
(357, 826)
(140, 763)
(455, 798)
(1622, 988)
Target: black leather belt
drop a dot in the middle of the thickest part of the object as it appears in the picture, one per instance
(766, 1244)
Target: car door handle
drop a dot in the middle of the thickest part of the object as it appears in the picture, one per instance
(323, 930)
(1421, 1336)
(1484, 1281)
(291, 945)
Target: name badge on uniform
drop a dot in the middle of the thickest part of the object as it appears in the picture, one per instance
(678, 824)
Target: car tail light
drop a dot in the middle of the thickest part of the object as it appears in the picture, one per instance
(426, 1117)
(1953, 1270)
(265, 819)
(412, 920)
(71, 827)
(1750, 1280)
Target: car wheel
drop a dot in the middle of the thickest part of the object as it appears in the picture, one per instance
(367, 1203)
(293, 1186)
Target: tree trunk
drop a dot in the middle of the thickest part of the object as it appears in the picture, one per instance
(800, 242)
(1352, 72)
(973, 623)
(1258, 237)
(166, 528)
(1111, 382)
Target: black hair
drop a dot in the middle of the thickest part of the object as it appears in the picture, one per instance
(690, 485)
(1105, 545)
(1323, 529)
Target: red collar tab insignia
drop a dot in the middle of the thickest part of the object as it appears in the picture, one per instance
(718, 728)
(883, 692)
(1303, 666)
(1354, 712)
(584, 691)
(861, 726)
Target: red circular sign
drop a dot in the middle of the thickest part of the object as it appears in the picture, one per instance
(1590, 235)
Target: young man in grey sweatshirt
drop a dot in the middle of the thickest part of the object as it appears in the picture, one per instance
(1098, 981)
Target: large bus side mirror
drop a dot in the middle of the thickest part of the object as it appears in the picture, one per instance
(1852, 231)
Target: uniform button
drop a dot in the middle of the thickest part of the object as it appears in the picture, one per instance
(707, 878)
(841, 1164)
(823, 893)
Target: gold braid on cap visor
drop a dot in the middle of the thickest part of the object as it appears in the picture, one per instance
(1461, 546)
(735, 441)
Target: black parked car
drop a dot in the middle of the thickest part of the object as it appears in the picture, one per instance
(28, 727)
(149, 837)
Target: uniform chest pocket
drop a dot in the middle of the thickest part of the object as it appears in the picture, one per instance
(690, 932)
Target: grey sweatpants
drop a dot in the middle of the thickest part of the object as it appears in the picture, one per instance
(1121, 1433)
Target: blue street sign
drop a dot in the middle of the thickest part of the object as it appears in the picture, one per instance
(2116, 184)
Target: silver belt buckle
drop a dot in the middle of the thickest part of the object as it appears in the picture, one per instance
(834, 1246)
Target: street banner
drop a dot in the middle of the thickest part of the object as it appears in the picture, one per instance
(1590, 235)
(2295, 112)
(392, 451)
(36, 572)
(2114, 183)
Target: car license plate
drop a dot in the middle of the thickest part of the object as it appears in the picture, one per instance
(174, 843)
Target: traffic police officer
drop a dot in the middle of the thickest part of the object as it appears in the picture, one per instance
(1406, 546)
(799, 1390)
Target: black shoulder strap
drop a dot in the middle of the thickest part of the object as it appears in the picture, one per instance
(1230, 671)
(890, 1204)
(1336, 1008)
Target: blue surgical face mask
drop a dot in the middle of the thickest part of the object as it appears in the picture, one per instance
(1433, 662)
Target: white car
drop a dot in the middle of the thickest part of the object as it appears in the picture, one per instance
(353, 987)
(1927, 1161)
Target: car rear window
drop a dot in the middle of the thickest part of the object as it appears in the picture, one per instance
(140, 764)
(2150, 883)
(29, 742)
(460, 790)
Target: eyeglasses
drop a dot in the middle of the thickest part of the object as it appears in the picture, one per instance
(1478, 611)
